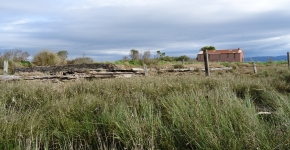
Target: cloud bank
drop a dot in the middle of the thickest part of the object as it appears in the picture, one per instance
(108, 30)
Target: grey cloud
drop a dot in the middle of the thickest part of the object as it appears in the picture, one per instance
(176, 31)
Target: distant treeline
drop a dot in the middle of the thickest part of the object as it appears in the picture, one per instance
(266, 58)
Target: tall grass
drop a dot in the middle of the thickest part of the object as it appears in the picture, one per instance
(162, 112)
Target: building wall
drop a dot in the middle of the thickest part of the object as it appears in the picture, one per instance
(225, 57)
(229, 57)
(242, 56)
(214, 57)
(200, 58)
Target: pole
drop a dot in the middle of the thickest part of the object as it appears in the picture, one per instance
(145, 69)
(288, 56)
(5, 67)
(206, 66)
(255, 68)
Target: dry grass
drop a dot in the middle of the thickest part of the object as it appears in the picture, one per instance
(167, 111)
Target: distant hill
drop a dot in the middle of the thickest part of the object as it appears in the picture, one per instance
(266, 58)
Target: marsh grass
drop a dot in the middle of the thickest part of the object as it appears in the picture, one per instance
(161, 112)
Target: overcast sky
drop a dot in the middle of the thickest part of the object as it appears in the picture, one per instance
(109, 29)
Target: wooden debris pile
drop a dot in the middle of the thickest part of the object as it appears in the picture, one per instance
(87, 74)
(191, 69)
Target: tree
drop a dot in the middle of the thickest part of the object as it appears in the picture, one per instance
(183, 57)
(208, 48)
(146, 56)
(62, 55)
(46, 58)
(134, 54)
(15, 55)
(160, 55)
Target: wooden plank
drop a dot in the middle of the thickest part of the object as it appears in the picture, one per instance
(145, 69)
(110, 73)
(9, 77)
(5, 68)
(264, 113)
(255, 68)
(137, 69)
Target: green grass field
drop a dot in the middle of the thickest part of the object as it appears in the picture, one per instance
(158, 112)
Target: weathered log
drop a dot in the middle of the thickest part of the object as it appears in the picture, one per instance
(9, 77)
(264, 113)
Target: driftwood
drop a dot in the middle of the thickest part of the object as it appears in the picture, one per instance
(264, 113)
(192, 69)
(88, 75)
(9, 78)
(74, 74)
(66, 68)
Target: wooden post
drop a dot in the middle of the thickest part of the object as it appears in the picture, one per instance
(206, 67)
(5, 67)
(255, 68)
(288, 56)
(145, 69)
(182, 61)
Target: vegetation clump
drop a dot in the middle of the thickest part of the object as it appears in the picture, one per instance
(81, 60)
(178, 66)
(46, 58)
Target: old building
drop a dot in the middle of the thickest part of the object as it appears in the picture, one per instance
(230, 55)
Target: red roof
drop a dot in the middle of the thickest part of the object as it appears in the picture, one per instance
(222, 51)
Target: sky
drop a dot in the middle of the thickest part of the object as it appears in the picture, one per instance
(106, 30)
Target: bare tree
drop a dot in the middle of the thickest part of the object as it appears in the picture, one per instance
(125, 58)
(8, 55)
(146, 56)
(15, 55)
